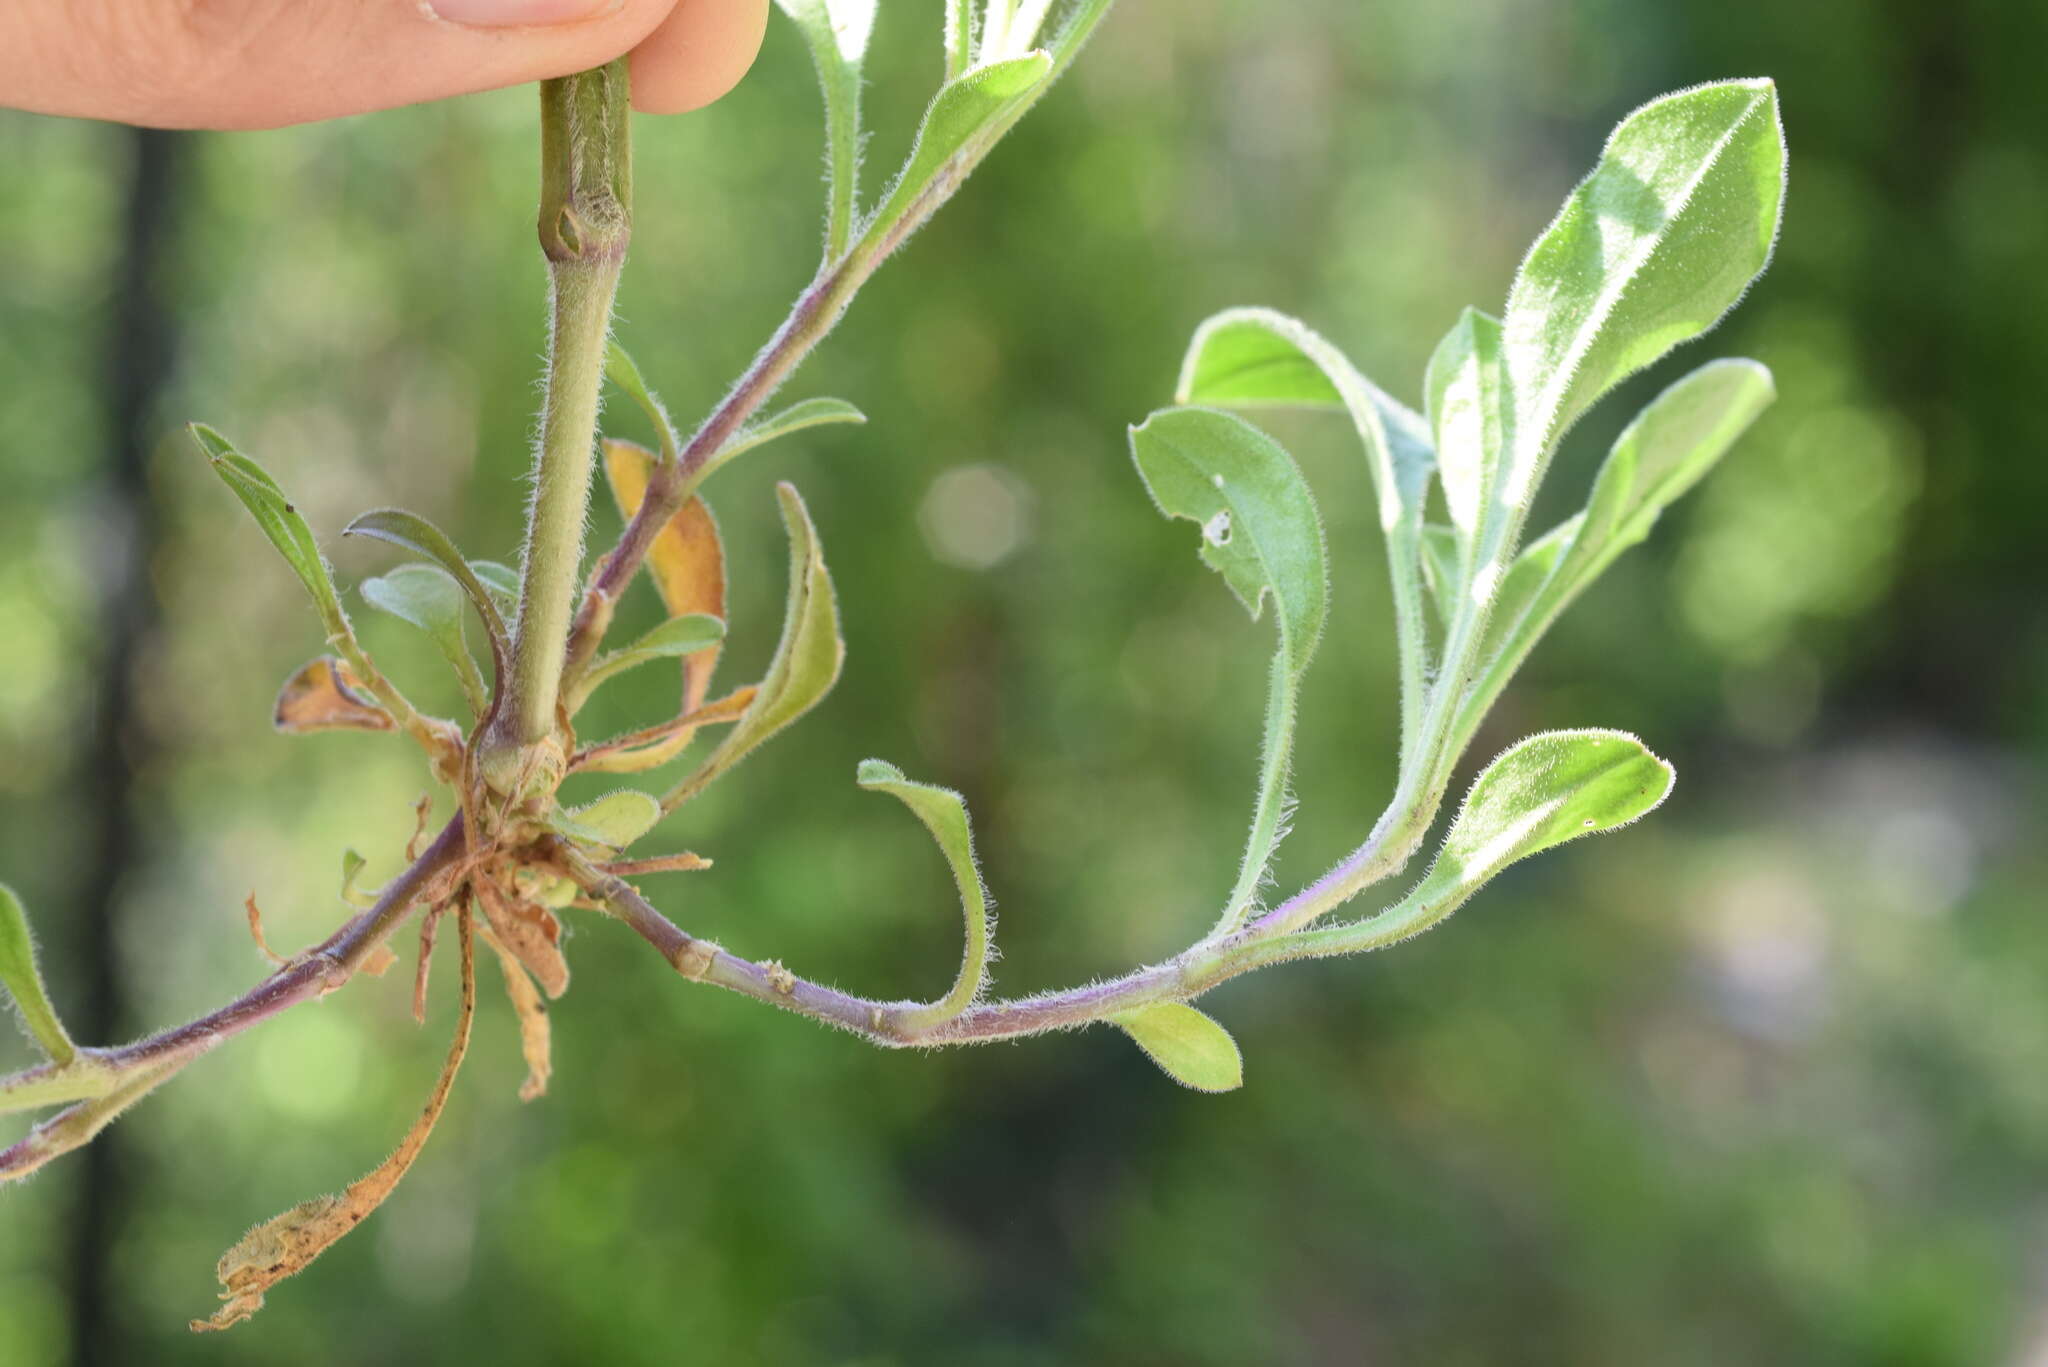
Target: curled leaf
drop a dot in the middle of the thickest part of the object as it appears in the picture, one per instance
(536, 1036)
(427, 597)
(530, 932)
(23, 982)
(807, 658)
(944, 814)
(1257, 357)
(324, 695)
(285, 1244)
(352, 866)
(415, 533)
(1261, 532)
(1188, 1046)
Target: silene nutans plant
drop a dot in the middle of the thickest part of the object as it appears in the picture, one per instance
(1659, 240)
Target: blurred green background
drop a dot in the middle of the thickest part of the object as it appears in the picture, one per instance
(1764, 1079)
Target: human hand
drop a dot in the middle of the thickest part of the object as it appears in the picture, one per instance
(266, 63)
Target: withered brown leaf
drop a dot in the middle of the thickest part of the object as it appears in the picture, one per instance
(324, 695)
(285, 1244)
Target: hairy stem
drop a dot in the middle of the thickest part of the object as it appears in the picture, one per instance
(585, 226)
(816, 311)
(894, 1023)
(97, 1075)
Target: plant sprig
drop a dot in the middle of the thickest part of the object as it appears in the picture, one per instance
(1650, 250)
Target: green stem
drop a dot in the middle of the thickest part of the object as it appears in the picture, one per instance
(585, 226)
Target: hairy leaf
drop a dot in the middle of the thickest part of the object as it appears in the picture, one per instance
(678, 636)
(615, 820)
(944, 814)
(1540, 793)
(1649, 251)
(623, 371)
(1662, 454)
(23, 981)
(1467, 412)
(807, 658)
(428, 598)
(1261, 532)
(837, 32)
(280, 521)
(795, 418)
(1440, 569)
(964, 117)
(1191, 1048)
(1252, 357)
(283, 1245)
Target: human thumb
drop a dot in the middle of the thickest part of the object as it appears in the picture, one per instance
(264, 63)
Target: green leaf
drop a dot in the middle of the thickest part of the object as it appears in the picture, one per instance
(1649, 251)
(1260, 531)
(1662, 454)
(352, 865)
(1191, 1048)
(1467, 412)
(685, 635)
(23, 981)
(428, 598)
(807, 658)
(1253, 357)
(620, 369)
(837, 32)
(677, 636)
(1540, 793)
(1441, 570)
(280, 521)
(615, 820)
(964, 119)
(501, 582)
(958, 37)
(944, 814)
(415, 533)
(1658, 458)
(796, 418)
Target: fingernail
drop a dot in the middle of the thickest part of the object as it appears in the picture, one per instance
(519, 13)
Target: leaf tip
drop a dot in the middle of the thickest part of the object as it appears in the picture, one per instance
(875, 773)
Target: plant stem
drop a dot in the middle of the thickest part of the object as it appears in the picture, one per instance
(585, 227)
(895, 1024)
(97, 1074)
(817, 310)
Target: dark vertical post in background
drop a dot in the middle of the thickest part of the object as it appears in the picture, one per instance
(138, 363)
